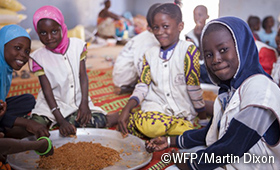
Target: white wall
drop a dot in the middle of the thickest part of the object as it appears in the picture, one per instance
(75, 12)
(142, 6)
(85, 12)
(244, 8)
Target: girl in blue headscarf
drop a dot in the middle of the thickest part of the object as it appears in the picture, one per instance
(245, 124)
(14, 53)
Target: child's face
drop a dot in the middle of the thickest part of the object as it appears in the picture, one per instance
(200, 15)
(220, 54)
(49, 32)
(270, 22)
(166, 30)
(16, 52)
(257, 26)
(277, 39)
(107, 4)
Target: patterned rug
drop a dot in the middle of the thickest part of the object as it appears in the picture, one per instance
(101, 91)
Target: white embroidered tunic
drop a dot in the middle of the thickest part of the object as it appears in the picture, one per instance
(62, 72)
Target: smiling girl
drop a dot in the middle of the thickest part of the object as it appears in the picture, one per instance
(168, 90)
(61, 68)
(14, 53)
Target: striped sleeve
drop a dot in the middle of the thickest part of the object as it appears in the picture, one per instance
(145, 76)
(196, 96)
(243, 132)
(141, 89)
(192, 73)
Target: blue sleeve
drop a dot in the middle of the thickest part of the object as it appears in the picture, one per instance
(243, 132)
(192, 138)
(238, 139)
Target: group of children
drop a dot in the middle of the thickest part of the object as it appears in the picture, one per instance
(246, 111)
(267, 34)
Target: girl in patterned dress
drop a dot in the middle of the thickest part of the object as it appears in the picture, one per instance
(168, 89)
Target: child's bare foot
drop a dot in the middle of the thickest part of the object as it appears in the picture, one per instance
(112, 119)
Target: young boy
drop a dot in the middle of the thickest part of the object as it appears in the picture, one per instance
(200, 14)
(246, 111)
(128, 66)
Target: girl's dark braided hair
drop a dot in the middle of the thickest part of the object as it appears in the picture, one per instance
(171, 9)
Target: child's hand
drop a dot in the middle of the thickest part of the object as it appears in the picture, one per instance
(67, 129)
(84, 115)
(123, 121)
(156, 144)
(45, 147)
(3, 107)
(37, 129)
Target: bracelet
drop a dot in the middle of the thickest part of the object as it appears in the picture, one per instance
(49, 147)
(168, 142)
(55, 108)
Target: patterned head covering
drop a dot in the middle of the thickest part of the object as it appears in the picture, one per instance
(51, 12)
(8, 33)
(246, 49)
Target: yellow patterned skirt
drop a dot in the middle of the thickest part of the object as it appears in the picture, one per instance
(153, 124)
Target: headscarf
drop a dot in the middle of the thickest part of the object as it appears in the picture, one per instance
(246, 49)
(8, 33)
(51, 12)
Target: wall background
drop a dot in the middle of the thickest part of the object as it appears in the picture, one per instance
(244, 8)
(85, 12)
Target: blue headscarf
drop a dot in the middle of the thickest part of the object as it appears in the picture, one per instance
(8, 33)
(246, 49)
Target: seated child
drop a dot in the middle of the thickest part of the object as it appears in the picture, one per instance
(200, 14)
(168, 90)
(268, 34)
(246, 111)
(254, 23)
(128, 65)
(61, 68)
(14, 53)
(109, 24)
(267, 54)
(139, 24)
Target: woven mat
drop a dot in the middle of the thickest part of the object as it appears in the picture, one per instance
(101, 92)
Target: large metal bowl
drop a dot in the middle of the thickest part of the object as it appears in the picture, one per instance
(109, 138)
